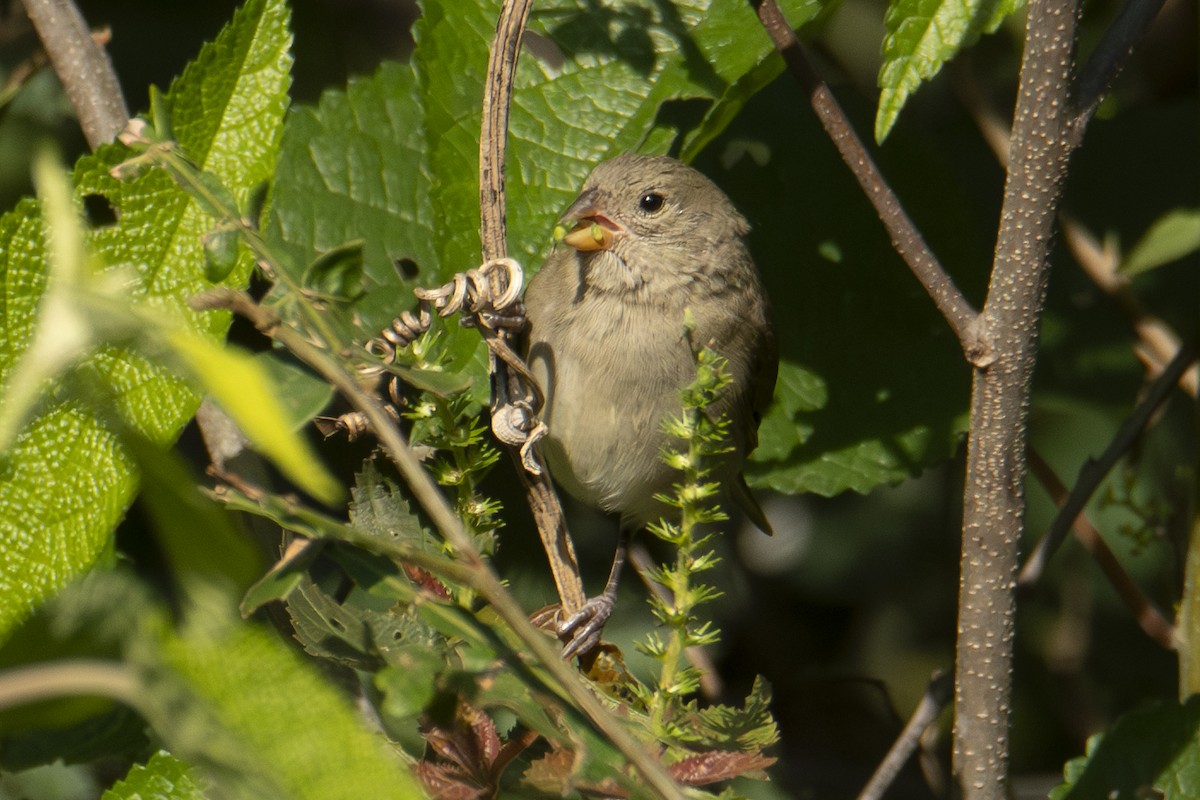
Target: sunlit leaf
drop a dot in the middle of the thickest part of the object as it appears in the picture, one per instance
(922, 36)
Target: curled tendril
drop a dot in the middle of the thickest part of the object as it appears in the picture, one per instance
(488, 296)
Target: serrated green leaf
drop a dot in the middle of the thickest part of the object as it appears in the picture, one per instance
(351, 169)
(263, 723)
(163, 777)
(68, 481)
(1152, 752)
(922, 36)
(1170, 238)
(379, 508)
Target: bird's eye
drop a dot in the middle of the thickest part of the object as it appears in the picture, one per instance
(651, 202)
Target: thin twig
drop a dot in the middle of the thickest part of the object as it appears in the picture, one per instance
(1152, 621)
(482, 578)
(83, 67)
(906, 239)
(497, 97)
(1157, 342)
(1109, 57)
(933, 702)
(1094, 471)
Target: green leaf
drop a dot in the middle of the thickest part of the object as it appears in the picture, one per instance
(163, 777)
(1152, 752)
(922, 36)
(302, 393)
(226, 111)
(337, 272)
(237, 381)
(1172, 237)
(380, 509)
(263, 723)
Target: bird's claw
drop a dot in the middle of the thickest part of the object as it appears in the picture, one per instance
(581, 631)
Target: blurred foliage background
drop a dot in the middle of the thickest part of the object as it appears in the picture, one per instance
(849, 609)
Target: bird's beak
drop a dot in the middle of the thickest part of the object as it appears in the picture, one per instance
(592, 230)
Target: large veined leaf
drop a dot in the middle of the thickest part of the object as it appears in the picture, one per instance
(922, 36)
(66, 482)
(1151, 752)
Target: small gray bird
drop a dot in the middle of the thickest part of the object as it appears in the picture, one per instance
(653, 240)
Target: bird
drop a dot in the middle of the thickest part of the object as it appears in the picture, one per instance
(654, 267)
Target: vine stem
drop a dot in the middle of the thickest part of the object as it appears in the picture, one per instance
(493, 139)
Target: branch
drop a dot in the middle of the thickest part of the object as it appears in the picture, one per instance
(905, 237)
(1109, 57)
(1152, 621)
(497, 97)
(936, 698)
(994, 500)
(83, 67)
(1094, 471)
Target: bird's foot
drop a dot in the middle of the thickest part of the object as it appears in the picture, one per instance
(581, 631)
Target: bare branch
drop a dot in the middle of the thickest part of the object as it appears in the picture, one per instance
(994, 499)
(933, 702)
(1109, 57)
(906, 239)
(1152, 621)
(497, 97)
(83, 67)
(1094, 471)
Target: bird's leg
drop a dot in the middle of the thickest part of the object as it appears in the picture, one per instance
(582, 630)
